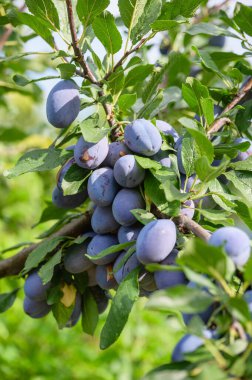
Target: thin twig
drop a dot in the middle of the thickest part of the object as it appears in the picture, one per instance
(221, 121)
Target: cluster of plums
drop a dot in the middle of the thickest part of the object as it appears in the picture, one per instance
(114, 187)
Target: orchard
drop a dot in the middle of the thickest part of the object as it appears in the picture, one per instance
(145, 151)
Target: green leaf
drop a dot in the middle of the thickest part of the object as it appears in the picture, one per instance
(177, 8)
(209, 29)
(67, 70)
(74, 179)
(152, 85)
(147, 163)
(243, 18)
(178, 68)
(131, 11)
(152, 107)
(217, 216)
(116, 81)
(172, 193)
(220, 196)
(46, 10)
(206, 172)
(193, 91)
(180, 298)
(208, 62)
(204, 258)
(123, 301)
(40, 252)
(243, 165)
(22, 81)
(245, 213)
(166, 25)
(204, 145)
(39, 160)
(111, 249)
(138, 74)
(143, 216)
(47, 270)
(106, 31)
(39, 26)
(7, 300)
(62, 313)
(91, 132)
(126, 101)
(150, 13)
(89, 313)
(87, 10)
(189, 154)
(248, 270)
(239, 309)
(242, 181)
(207, 106)
(51, 212)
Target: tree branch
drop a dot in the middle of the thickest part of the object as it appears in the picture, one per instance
(220, 122)
(14, 264)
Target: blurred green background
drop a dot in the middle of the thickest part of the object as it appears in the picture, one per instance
(36, 349)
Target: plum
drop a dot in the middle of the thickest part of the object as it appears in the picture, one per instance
(167, 129)
(165, 279)
(142, 137)
(188, 344)
(102, 186)
(189, 210)
(127, 172)
(236, 243)
(179, 159)
(76, 313)
(127, 234)
(91, 273)
(105, 277)
(242, 156)
(98, 244)
(116, 150)
(75, 260)
(35, 309)
(125, 201)
(63, 104)
(217, 41)
(34, 288)
(90, 155)
(127, 267)
(155, 241)
(163, 158)
(101, 297)
(103, 220)
(68, 201)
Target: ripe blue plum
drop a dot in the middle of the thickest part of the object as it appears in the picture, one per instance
(190, 182)
(36, 309)
(127, 234)
(217, 41)
(179, 159)
(75, 260)
(125, 201)
(76, 313)
(127, 267)
(68, 201)
(163, 158)
(155, 241)
(242, 156)
(101, 297)
(63, 104)
(34, 288)
(167, 129)
(102, 187)
(105, 277)
(98, 244)
(189, 209)
(116, 150)
(127, 172)
(142, 137)
(188, 344)
(165, 279)
(103, 221)
(90, 155)
(236, 243)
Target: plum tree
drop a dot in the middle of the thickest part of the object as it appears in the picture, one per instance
(35, 308)
(34, 288)
(127, 234)
(103, 221)
(125, 201)
(90, 155)
(63, 104)
(166, 279)
(75, 260)
(98, 244)
(142, 137)
(105, 277)
(102, 187)
(155, 241)
(235, 242)
(116, 150)
(68, 201)
(127, 172)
